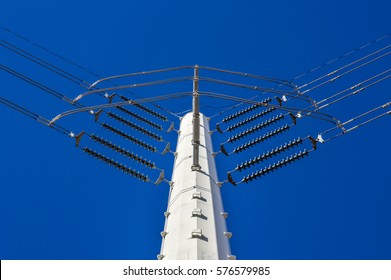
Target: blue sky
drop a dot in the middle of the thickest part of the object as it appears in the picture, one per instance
(58, 203)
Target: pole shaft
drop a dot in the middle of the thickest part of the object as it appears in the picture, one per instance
(195, 226)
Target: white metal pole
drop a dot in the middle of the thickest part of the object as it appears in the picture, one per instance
(195, 227)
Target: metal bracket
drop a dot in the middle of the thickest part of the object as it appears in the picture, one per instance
(78, 138)
(196, 212)
(223, 150)
(313, 142)
(160, 179)
(166, 149)
(224, 214)
(170, 128)
(97, 114)
(196, 195)
(196, 233)
(230, 179)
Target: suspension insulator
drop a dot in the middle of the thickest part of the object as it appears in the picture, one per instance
(130, 138)
(273, 167)
(122, 151)
(251, 119)
(117, 165)
(245, 110)
(134, 126)
(142, 119)
(269, 154)
(262, 138)
(255, 128)
(145, 109)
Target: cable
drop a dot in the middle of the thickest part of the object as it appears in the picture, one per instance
(124, 103)
(354, 119)
(47, 65)
(343, 67)
(342, 56)
(345, 73)
(64, 98)
(316, 68)
(69, 61)
(166, 81)
(356, 91)
(37, 84)
(263, 78)
(48, 51)
(257, 88)
(140, 73)
(35, 116)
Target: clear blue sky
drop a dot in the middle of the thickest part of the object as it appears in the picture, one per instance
(58, 203)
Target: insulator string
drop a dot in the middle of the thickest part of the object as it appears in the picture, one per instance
(116, 165)
(135, 127)
(255, 128)
(146, 109)
(275, 166)
(129, 137)
(244, 111)
(250, 119)
(142, 119)
(122, 151)
(268, 154)
(255, 141)
(312, 113)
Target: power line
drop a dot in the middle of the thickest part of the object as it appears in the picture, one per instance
(56, 69)
(45, 64)
(35, 116)
(342, 56)
(320, 67)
